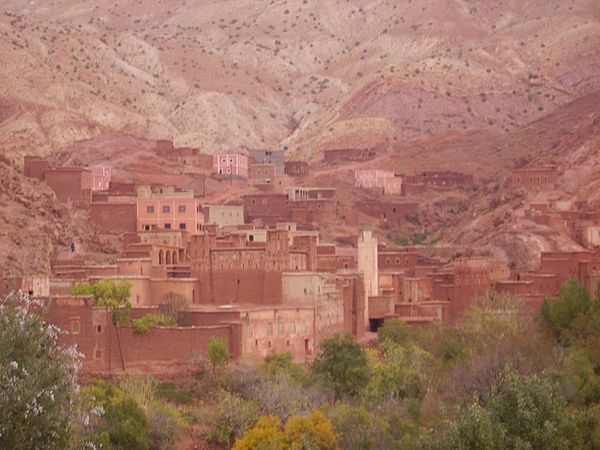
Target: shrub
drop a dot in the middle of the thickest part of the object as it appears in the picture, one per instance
(218, 352)
(232, 417)
(148, 321)
(124, 422)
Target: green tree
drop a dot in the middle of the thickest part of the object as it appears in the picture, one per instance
(342, 364)
(359, 428)
(124, 422)
(38, 390)
(526, 413)
(476, 429)
(396, 331)
(398, 373)
(110, 293)
(572, 302)
(218, 352)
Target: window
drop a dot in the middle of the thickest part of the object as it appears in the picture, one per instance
(181, 208)
(166, 209)
(303, 328)
(98, 354)
(251, 237)
(75, 326)
(99, 328)
(293, 327)
(150, 209)
(269, 328)
(182, 226)
(167, 226)
(280, 328)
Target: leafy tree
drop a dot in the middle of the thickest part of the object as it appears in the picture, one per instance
(109, 293)
(476, 429)
(218, 352)
(38, 391)
(342, 364)
(359, 428)
(266, 435)
(397, 331)
(526, 413)
(582, 383)
(397, 374)
(314, 431)
(572, 302)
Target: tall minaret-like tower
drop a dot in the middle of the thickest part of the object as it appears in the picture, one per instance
(367, 263)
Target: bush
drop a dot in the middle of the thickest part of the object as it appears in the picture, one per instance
(359, 428)
(396, 331)
(124, 422)
(314, 431)
(232, 417)
(218, 352)
(148, 321)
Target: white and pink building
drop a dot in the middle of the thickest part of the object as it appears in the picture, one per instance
(234, 164)
(378, 179)
(100, 178)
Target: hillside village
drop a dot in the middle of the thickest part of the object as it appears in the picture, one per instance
(256, 270)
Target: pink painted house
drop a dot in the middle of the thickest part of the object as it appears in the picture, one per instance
(164, 207)
(378, 179)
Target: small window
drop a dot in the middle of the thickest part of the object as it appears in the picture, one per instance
(293, 327)
(150, 209)
(137, 298)
(181, 208)
(99, 328)
(75, 326)
(167, 226)
(98, 354)
(166, 209)
(182, 226)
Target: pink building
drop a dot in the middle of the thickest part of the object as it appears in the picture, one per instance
(168, 208)
(378, 179)
(234, 164)
(100, 178)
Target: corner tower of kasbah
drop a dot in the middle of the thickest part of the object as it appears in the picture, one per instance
(280, 176)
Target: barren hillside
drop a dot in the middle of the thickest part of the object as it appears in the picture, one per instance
(476, 87)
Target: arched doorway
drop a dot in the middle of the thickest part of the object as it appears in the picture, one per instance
(160, 258)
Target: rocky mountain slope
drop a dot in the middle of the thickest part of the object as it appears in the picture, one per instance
(477, 87)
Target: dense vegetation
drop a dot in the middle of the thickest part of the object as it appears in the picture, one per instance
(501, 378)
